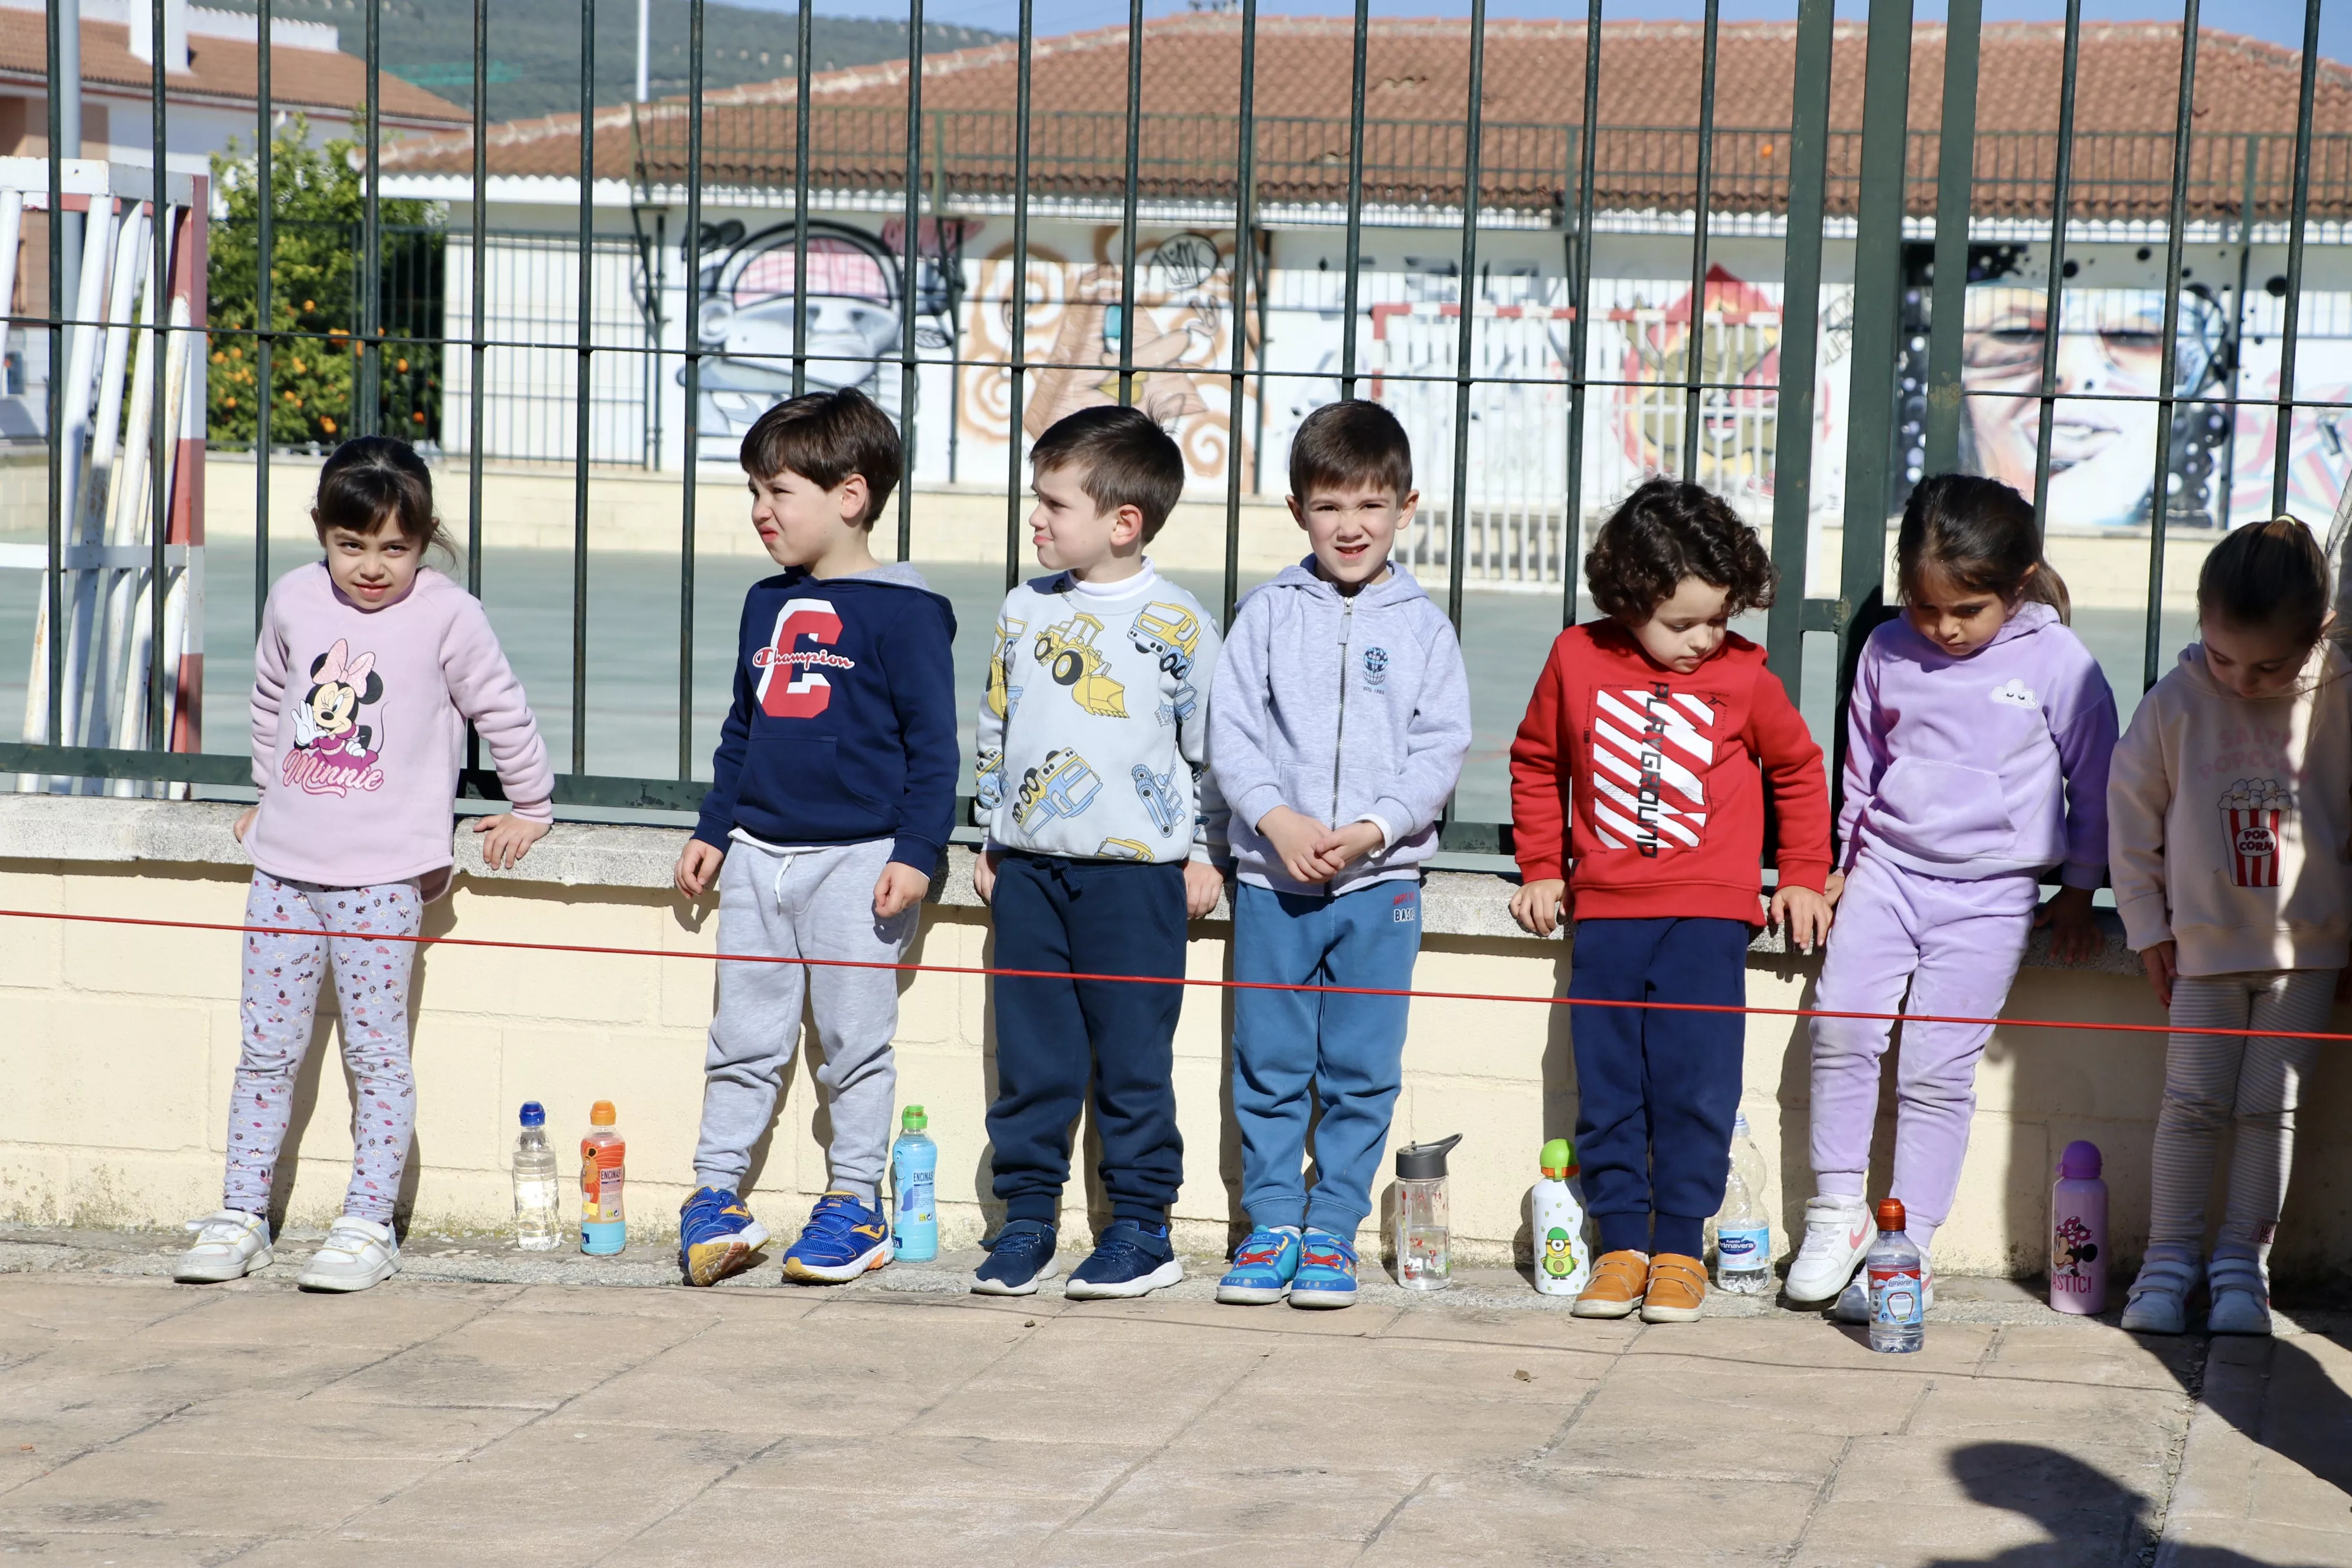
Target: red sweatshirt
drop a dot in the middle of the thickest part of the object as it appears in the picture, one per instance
(1657, 773)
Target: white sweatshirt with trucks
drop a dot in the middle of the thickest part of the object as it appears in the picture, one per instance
(2229, 821)
(1093, 739)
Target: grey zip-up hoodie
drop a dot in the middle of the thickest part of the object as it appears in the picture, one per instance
(1345, 710)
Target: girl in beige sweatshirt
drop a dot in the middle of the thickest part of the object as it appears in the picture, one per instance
(2228, 813)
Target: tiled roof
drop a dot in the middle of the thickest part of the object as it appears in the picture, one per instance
(1417, 75)
(223, 71)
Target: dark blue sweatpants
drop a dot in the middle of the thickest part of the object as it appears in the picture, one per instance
(1656, 1091)
(1087, 917)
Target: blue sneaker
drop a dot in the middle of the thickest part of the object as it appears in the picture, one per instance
(1262, 1268)
(1129, 1260)
(1019, 1256)
(1327, 1273)
(716, 1236)
(843, 1239)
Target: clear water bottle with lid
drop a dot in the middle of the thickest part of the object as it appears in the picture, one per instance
(1898, 1298)
(537, 1190)
(1424, 1249)
(1743, 1231)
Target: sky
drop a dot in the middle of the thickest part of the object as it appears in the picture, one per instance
(2277, 21)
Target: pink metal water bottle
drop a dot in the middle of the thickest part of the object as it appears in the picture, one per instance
(2078, 1233)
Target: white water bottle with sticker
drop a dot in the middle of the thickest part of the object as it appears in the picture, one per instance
(1743, 1231)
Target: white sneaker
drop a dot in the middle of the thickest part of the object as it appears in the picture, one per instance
(2159, 1303)
(1838, 1233)
(2241, 1297)
(1853, 1302)
(357, 1253)
(230, 1243)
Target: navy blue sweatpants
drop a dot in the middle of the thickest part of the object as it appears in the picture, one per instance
(1656, 1091)
(1089, 917)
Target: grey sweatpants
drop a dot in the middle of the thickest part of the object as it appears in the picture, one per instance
(815, 903)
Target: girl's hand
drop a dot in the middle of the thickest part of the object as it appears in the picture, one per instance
(697, 863)
(984, 876)
(1343, 845)
(1298, 840)
(2162, 961)
(900, 888)
(507, 838)
(1543, 906)
(1803, 914)
(1203, 884)
(2075, 934)
(244, 823)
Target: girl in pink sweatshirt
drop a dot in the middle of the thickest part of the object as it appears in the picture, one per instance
(2229, 810)
(368, 670)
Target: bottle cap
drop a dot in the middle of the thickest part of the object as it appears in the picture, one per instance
(1558, 1159)
(1740, 1124)
(1890, 1215)
(533, 1113)
(912, 1118)
(600, 1114)
(1420, 1162)
(2080, 1162)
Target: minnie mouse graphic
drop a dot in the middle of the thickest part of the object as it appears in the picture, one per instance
(333, 752)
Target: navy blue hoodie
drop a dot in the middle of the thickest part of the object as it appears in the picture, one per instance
(844, 724)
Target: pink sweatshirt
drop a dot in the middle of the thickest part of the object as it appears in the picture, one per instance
(358, 730)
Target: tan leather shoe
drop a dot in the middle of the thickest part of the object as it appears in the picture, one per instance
(1618, 1281)
(1677, 1289)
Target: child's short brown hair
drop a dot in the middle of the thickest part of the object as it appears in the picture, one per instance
(1353, 442)
(1123, 458)
(2267, 574)
(824, 437)
(1667, 531)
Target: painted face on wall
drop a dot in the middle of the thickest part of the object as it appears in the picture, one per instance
(851, 299)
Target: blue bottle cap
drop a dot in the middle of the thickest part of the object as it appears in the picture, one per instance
(533, 1113)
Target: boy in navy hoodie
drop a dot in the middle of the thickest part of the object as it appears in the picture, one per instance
(833, 792)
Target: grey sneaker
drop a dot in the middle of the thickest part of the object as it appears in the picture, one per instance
(230, 1243)
(2242, 1296)
(357, 1253)
(2159, 1303)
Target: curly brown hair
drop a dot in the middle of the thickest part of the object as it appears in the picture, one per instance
(1667, 531)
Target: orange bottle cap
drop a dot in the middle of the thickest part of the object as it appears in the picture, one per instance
(600, 1114)
(1890, 1215)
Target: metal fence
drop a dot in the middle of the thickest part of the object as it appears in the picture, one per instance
(1500, 388)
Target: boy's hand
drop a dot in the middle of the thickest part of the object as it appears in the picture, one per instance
(244, 823)
(507, 839)
(899, 887)
(1203, 884)
(2162, 961)
(1298, 839)
(2074, 934)
(1542, 907)
(984, 876)
(1341, 846)
(1803, 914)
(1833, 888)
(696, 866)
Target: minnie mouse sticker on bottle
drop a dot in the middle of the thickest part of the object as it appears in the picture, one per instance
(334, 752)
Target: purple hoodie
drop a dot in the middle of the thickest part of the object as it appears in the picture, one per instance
(1984, 766)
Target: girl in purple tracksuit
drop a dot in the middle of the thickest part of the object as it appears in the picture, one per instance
(1976, 759)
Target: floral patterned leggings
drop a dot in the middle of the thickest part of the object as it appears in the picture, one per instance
(280, 1001)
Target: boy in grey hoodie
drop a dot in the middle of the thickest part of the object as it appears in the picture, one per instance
(1338, 723)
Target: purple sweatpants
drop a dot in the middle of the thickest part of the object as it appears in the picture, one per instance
(1956, 947)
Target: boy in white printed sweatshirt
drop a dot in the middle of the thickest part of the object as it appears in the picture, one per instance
(1093, 759)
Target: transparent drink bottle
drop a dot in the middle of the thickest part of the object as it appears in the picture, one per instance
(1424, 1251)
(537, 1190)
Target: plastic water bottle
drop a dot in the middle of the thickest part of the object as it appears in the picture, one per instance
(537, 1190)
(914, 1162)
(603, 1227)
(2078, 1233)
(1424, 1233)
(1898, 1300)
(1743, 1231)
(1556, 1209)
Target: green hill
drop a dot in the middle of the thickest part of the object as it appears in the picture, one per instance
(534, 45)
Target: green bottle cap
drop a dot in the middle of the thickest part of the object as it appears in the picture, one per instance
(1558, 1159)
(912, 1118)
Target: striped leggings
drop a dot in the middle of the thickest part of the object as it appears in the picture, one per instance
(2253, 1079)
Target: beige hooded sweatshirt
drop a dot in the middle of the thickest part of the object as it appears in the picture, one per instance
(2229, 821)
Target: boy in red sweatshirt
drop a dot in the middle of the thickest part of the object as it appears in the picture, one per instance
(1637, 766)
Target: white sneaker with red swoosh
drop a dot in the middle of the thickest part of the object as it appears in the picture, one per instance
(1838, 1232)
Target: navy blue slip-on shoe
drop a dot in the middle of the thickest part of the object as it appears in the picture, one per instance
(1131, 1260)
(1018, 1257)
(843, 1239)
(716, 1236)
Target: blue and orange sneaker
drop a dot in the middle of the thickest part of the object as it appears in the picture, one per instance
(716, 1236)
(1327, 1272)
(1262, 1270)
(843, 1239)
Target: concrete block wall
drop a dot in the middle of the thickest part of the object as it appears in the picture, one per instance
(117, 1044)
